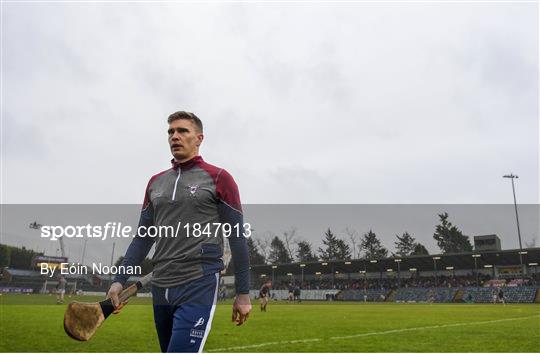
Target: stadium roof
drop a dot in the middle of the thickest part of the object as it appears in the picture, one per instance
(419, 263)
(34, 274)
(22, 272)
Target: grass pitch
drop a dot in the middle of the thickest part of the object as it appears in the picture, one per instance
(34, 323)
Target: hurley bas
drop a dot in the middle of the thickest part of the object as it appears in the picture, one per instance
(96, 268)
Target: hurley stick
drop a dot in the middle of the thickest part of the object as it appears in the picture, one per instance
(82, 319)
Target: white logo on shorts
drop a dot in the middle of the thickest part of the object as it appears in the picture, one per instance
(196, 333)
(199, 322)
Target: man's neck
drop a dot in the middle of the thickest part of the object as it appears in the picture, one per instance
(186, 159)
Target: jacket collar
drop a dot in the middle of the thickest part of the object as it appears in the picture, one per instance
(187, 164)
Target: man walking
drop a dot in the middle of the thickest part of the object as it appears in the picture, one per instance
(201, 203)
(264, 294)
(297, 293)
(500, 295)
(60, 289)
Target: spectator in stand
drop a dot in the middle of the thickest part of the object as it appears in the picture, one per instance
(387, 284)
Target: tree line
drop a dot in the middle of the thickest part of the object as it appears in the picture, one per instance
(17, 257)
(289, 247)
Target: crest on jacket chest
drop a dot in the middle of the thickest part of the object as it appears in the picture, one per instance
(193, 188)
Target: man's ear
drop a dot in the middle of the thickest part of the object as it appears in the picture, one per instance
(200, 138)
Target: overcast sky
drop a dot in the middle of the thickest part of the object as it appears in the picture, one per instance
(303, 103)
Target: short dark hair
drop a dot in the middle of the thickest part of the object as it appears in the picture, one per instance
(188, 116)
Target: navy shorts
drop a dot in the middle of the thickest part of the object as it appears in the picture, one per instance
(183, 314)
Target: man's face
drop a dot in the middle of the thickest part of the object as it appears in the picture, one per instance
(184, 139)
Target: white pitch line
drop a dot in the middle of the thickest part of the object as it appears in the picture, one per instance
(369, 334)
(432, 327)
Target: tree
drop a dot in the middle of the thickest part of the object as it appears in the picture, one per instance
(405, 244)
(419, 249)
(329, 252)
(354, 237)
(289, 240)
(372, 246)
(304, 252)
(278, 252)
(449, 238)
(5, 256)
(21, 258)
(254, 256)
(343, 250)
(264, 244)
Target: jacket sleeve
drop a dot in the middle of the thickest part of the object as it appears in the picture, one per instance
(230, 212)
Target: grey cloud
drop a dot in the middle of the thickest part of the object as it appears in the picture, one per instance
(21, 140)
(391, 104)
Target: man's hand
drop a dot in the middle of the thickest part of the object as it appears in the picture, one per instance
(241, 309)
(114, 291)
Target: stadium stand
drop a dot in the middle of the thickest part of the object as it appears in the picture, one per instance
(459, 277)
(13, 279)
(349, 281)
(479, 294)
(520, 294)
(418, 293)
(445, 294)
(31, 281)
(373, 295)
(411, 295)
(320, 295)
(401, 294)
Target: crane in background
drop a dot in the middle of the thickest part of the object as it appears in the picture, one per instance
(34, 225)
